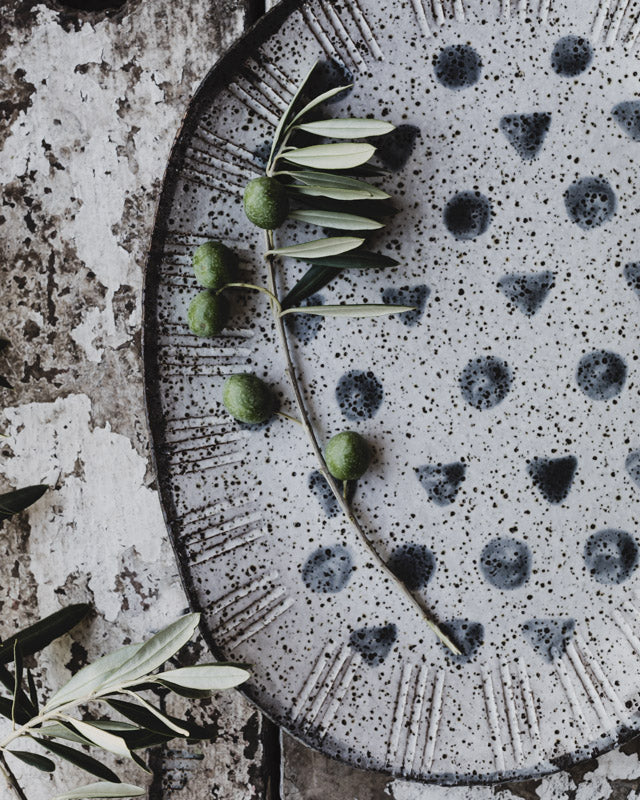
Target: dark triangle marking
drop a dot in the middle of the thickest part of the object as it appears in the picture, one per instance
(553, 476)
(441, 481)
(549, 637)
(526, 132)
(527, 291)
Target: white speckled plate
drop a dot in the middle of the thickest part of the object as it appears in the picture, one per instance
(503, 413)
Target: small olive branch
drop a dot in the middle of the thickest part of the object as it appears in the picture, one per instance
(325, 181)
(116, 680)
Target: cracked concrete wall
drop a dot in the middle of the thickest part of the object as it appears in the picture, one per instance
(89, 106)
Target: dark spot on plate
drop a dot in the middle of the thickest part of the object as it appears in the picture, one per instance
(549, 637)
(527, 291)
(485, 382)
(414, 564)
(601, 374)
(571, 56)
(632, 276)
(305, 327)
(321, 489)
(359, 394)
(505, 563)
(526, 132)
(457, 66)
(395, 148)
(441, 481)
(327, 570)
(466, 635)
(611, 556)
(632, 465)
(329, 74)
(416, 296)
(553, 476)
(467, 215)
(590, 202)
(374, 644)
(627, 115)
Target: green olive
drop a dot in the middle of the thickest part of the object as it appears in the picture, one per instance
(347, 455)
(247, 398)
(214, 265)
(208, 314)
(266, 203)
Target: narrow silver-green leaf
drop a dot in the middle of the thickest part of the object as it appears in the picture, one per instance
(342, 155)
(101, 738)
(338, 220)
(89, 678)
(154, 652)
(102, 789)
(333, 193)
(286, 117)
(165, 720)
(205, 677)
(42, 763)
(320, 99)
(353, 128)
(319, 248)
(360, 311)
(332, 180)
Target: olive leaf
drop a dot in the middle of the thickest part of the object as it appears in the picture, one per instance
(358, 259)
(321, 98)
(346, 310)
(33, 760)
(204, 677)
(13, 502)
(319, 248)
(288, 113)
(102, 789)
(342, 155)
(79, 759)
(101, 738)
(336, 220)
(37, 636)
(314, 279)
(337, 187)
(352, 128)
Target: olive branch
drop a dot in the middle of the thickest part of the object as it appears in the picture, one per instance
(326, 186)
(117, 681)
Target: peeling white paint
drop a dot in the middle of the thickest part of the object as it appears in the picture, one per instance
(99, 514)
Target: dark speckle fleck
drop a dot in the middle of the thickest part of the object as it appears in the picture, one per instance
(571, 56)
(505, 562)
(485, 382)
(611, 556)
(467, 215)
(590, 202)
(553, 476)
(601, 374)
(374, 644)
(441, 481)
(549, 637)
(414, 564)
(359, 394)
(457, 66)
(327, 569)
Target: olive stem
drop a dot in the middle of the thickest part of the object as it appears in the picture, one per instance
(289, 417)
(344, 489)
(269, 294)
(11, 779)
(313, 440)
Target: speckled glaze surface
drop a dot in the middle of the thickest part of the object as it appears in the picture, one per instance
(506, 482)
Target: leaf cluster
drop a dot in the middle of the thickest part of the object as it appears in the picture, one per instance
(115, 681)
(326, 183)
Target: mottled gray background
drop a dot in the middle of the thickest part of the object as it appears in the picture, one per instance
(89, 106)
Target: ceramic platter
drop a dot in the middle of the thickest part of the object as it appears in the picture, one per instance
(503, 411)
